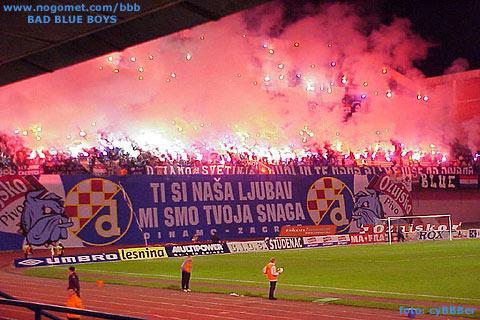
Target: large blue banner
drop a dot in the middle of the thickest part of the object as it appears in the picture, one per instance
(94, 211)
(126, 210)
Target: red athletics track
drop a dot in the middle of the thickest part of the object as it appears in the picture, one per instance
(153, 303)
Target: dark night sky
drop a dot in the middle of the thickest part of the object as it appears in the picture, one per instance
(452, 26)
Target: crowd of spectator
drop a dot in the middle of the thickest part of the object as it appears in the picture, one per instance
(114, 160)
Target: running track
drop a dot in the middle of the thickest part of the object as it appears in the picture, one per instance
(153, 303)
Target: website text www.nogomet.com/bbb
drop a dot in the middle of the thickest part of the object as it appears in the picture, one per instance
(83, 13)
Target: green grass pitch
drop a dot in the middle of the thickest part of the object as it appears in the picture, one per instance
(447, 271)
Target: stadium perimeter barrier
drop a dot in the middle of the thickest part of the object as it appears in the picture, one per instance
(38, 313)
(172, 251)
(39, 309)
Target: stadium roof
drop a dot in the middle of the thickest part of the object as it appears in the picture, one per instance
(28, 50)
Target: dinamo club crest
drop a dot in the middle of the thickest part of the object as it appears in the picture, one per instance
(100, 210)
(328, 200)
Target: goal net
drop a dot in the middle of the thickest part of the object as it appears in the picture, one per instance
(428, 227)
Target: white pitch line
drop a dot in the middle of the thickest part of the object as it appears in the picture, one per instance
(287, 284)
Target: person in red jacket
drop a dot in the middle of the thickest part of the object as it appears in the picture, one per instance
(272, 273)
(74, 301)
(186, 272)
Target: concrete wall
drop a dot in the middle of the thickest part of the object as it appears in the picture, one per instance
(464, 206)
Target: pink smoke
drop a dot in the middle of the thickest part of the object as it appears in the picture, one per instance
(224, 83)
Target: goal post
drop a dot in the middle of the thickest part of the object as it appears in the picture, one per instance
(392, 220)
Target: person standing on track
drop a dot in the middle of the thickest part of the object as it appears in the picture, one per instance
(195, 238)
(52, 251)
(60, 249)
(400, 235)
(214, 237)
(74, 301)
(186, 272)
(73, 281)
(27, 250)
(270, 270)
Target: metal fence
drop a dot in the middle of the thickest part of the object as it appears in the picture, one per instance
(40, 309)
